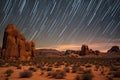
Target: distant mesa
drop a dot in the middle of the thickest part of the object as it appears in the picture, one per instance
(15, 45)
(49, 52)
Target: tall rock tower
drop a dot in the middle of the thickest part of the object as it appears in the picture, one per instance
(15, 45)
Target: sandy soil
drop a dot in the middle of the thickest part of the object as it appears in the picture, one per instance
(36, 75)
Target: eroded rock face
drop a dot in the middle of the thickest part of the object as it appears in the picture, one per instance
(15, 45)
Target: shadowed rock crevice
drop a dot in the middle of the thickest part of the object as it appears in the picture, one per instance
(15, 45)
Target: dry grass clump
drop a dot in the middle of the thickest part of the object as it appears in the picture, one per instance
(116, 74)
(33, 69)
(2, 62)
(48, 69)
(87, 75)
(25, 74)
(6, 78)
(19, 67)
(88, 66)
(8, 72)
(80, 70)
(58, 74)
(67, 69)
(78, 77)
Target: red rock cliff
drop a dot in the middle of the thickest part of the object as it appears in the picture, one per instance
(15, 45)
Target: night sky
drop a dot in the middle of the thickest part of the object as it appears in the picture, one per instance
(64, 24)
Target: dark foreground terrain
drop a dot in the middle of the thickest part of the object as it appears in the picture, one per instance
(62, 68)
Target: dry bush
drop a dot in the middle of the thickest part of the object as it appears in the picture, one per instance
(6, 78)
(32, 69)
(25, 74)
(87, 76)
(48, 69)
(8, 72)
(2, 62)
(41, 73)
(58, 74)
(96, 67)
(78, 77)
(67, 69)
(116, 74)
(80, 70)
(87, 65)
(19, 67)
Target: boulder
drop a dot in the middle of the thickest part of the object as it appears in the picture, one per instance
(114, 49)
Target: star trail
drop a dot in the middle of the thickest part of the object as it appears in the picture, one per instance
(63, 24)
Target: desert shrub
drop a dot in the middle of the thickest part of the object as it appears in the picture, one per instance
(87, 65)
(116, 74)
(58, 74)
(113, 68)
(2, 62)
(96, 67)
(57, 65)
(87, 75)
(78, 77)
(49, 69)
(6, 78)
(32, 69)
(6, 65)
(109, 77)
(26, 63)
(74, 69)
(80, 70)
(67, 69)
(25, 74)
(13, 63)
(42, 68)
(41, 73)
(19, 67)
(38, 66)
(9, 72)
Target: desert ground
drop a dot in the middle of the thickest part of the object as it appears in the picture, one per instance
(61, 68)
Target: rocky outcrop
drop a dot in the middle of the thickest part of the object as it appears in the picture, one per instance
(84, 50)
(67, 52)
(114, 49)
(15, 45)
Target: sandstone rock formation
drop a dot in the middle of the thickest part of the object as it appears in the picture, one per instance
(15, 45)
(84, 50)
(114, 49)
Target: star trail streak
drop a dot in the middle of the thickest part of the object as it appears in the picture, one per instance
(57, 23)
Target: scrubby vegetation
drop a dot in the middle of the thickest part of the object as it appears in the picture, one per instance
(8, 72)
(58, 74)
(62, 67)
(25, 74)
